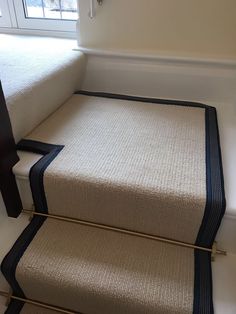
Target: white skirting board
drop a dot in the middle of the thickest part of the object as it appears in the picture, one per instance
(160, 77)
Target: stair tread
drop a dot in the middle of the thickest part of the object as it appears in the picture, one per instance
(91, 270)
(128, 164)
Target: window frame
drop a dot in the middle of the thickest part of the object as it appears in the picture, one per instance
(5, 19)
(13, 10)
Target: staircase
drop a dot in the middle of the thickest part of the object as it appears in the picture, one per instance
(127, 197)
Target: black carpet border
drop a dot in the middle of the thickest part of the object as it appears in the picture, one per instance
(14, 307)
(203, 275)
(11, 260)
(159, 101)
(49, 152)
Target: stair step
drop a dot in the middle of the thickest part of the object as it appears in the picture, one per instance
(223, 269)
(131, 164)
(89, 270)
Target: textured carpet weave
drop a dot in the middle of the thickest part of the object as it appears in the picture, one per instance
(31, 309)
(38, 75)
(133, 164)
(92, 275)
(128, 164)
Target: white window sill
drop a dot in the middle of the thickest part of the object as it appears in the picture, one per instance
(48, 33)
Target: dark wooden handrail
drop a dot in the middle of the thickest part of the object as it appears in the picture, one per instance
(8, 158)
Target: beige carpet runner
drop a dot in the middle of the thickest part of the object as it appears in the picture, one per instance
(144, 165)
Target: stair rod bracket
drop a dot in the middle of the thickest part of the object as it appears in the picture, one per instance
(214, 251)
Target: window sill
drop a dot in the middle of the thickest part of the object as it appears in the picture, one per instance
(36, 32)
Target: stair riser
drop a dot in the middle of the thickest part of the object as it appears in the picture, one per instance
(225, 236)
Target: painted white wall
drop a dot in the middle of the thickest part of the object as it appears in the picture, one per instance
(198, 28)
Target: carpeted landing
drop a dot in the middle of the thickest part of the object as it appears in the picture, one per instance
(144, 165)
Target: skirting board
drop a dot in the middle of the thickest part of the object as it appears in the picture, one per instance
(160, 77)
(227, 234)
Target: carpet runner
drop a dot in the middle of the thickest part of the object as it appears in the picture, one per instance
(150, 166)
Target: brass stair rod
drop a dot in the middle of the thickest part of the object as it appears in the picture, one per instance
(125, 231)
(9, 296)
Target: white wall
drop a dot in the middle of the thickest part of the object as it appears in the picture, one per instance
(196, 28)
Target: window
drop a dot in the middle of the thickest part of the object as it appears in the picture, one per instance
(55, 15)
(51, 9)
